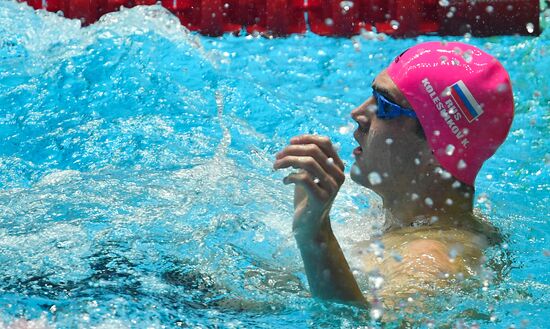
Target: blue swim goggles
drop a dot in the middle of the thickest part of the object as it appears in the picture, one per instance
(388, 109)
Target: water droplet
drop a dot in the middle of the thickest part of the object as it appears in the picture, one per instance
(493, 318)
(450, 14)
(329, 22)
(330, 162)
(346, 6)
(316, 180)
(489, 177)
(376, 312)
(429, 202)
(444, 3)
(446, 92)
(433, 219)
(376, 281)
(489, 9)
(355, 170)
(452, 254)
(449, 202)
(414, 197)
(416, 161)
(443, 59)
(396, 256)
(53, 309)
(502, 87)
(465, 131)
(377, 248)
(346, 129)
(455, 61)
(450, 149)
(461, 164)
(259, 237)
(445, 174)
(509, 7)
(372, 109)
(530, 27)
(482, 198)
(437, 132)
(226, 5)
(374, 178)
(356, 45)
(394, 24)
(467, 55)
(389, 141)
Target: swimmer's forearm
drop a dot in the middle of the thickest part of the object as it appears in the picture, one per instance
(327, 270)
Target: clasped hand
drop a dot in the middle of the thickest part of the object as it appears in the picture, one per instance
(320, 176)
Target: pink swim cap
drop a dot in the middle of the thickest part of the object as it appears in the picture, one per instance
(463, 99)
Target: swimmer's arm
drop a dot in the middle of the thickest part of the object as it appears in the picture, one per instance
(320, 175)
(327, 270)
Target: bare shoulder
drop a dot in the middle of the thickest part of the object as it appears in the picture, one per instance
(426, 254)
(429, 258)
(425, 258)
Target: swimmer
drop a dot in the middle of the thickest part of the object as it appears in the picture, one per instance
(436, 114)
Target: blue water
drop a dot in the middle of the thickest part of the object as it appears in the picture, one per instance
(136, 187)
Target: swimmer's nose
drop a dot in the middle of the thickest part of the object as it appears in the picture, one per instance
(361, 114)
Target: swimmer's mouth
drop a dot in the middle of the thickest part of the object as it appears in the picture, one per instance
(358, 150)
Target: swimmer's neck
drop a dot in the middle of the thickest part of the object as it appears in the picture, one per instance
(448, 207)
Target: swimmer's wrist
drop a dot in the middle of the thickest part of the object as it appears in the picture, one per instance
(308, 232)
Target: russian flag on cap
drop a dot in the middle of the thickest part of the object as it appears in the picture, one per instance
(465, 101)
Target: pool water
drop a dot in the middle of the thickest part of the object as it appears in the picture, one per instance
(136, 187)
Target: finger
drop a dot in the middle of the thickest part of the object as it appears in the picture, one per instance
(313, 150)
(324, 144)
(308, 164)
(304, 180)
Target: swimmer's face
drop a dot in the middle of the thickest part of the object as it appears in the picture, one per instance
(385, 158)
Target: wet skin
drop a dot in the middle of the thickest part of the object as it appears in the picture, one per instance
(431, 225)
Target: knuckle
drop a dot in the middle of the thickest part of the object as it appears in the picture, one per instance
(309, 161)
(335, 185)
(315, 150)
(325, 140)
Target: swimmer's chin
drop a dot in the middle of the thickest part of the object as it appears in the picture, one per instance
(355, 173)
